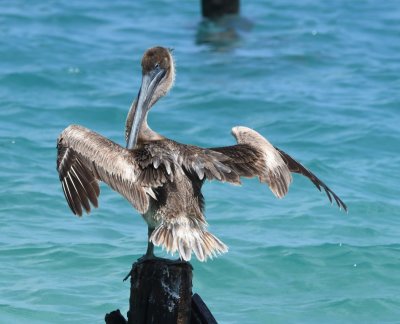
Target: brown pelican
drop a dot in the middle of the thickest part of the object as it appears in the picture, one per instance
(161, 178)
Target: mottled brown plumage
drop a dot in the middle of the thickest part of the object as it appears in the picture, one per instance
(161, 178)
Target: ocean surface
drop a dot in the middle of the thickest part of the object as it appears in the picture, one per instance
(320, 79)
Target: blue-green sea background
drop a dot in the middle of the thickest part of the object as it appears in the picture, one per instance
(320, 79)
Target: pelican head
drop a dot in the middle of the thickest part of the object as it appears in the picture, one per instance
(158, 75)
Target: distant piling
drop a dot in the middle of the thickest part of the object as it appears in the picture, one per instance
(213, 9)
(161, 292)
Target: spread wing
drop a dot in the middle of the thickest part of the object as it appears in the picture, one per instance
(84, 157)
(254, 156)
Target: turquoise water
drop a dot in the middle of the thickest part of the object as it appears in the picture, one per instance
(320, 79)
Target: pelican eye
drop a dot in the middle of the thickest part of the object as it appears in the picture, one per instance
(156, 66)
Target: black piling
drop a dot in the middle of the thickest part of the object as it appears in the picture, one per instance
(161, 292)
(217, 8)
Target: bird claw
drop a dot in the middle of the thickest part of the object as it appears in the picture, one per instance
(144, 258)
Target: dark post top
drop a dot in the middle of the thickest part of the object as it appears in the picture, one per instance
(217, 8)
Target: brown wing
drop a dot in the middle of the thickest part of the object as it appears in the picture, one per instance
(254, 156)
(297, 167)
(244, 159)
(84, 157)
(78, 182)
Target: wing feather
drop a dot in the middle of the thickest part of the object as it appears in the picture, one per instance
(162, 160)
(254, 156)
(84, 157)
(207, 163)
(297, 167)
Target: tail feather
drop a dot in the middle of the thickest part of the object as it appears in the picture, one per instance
(186, 236)
(213, 245)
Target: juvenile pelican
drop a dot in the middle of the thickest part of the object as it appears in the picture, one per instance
(161, 178)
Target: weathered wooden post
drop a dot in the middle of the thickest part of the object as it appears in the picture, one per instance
(161, 292)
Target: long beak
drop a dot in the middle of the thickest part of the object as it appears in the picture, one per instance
(149, 84)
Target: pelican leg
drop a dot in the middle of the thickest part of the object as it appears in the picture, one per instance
(150, 248)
